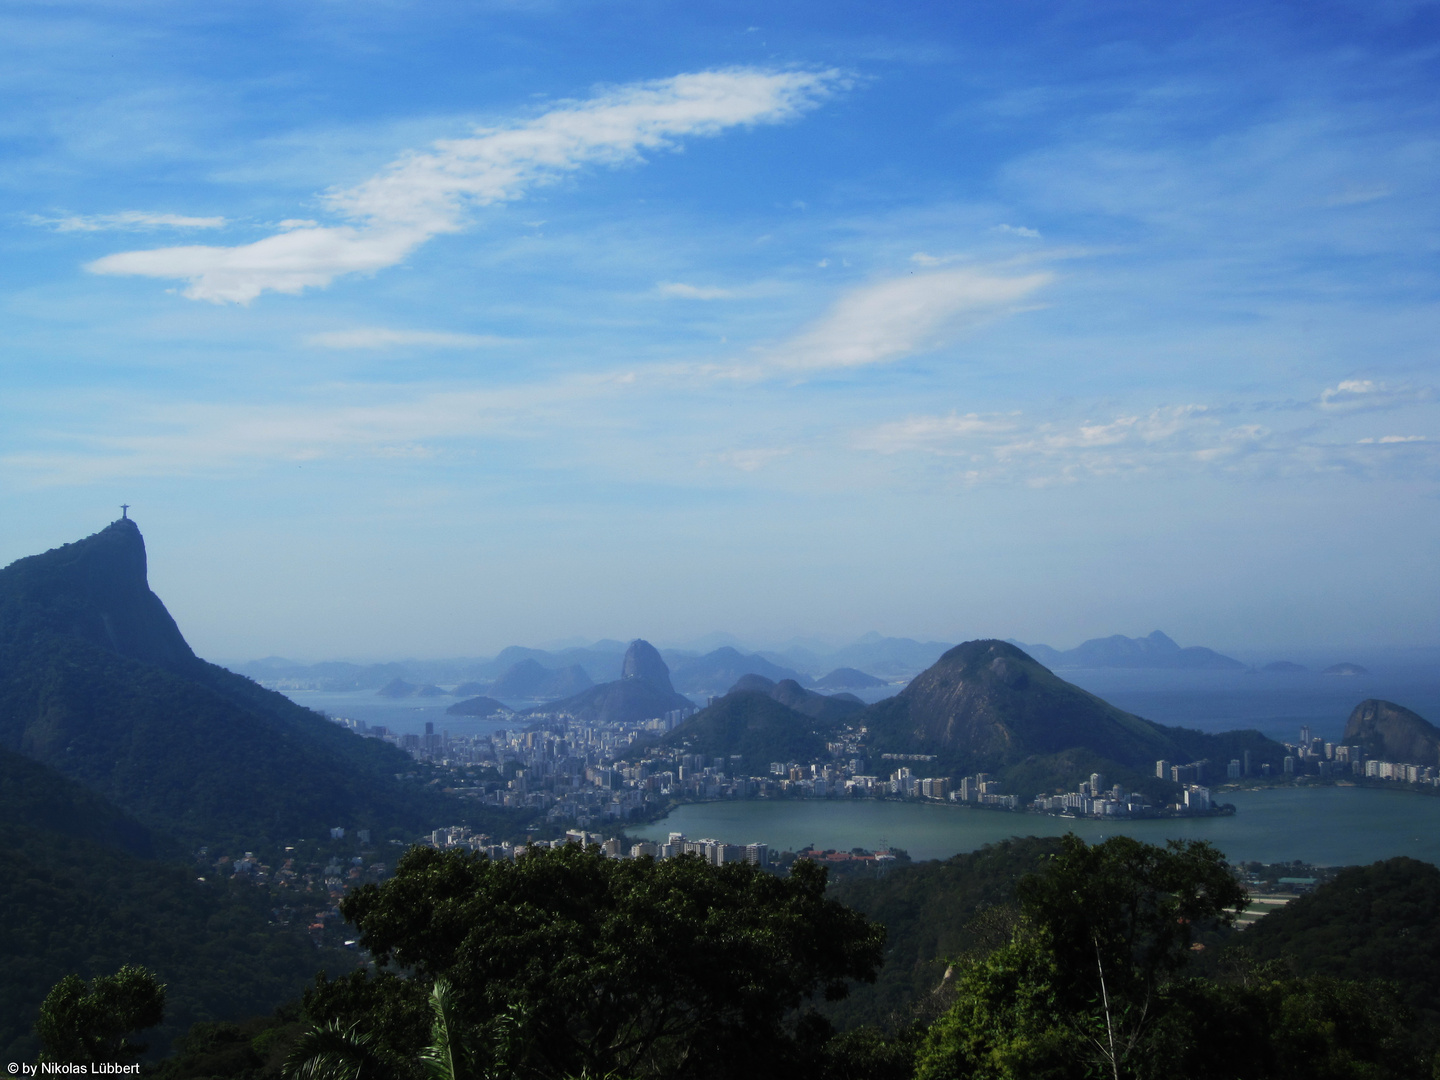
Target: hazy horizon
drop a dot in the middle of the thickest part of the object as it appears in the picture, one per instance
(422, 331)
(1420, 655)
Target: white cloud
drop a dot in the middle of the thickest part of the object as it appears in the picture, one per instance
(932, 432)
(379, 337)
(129, 221)
(424, 194)
(692, 292)
(1016, 448)
(903, 316)
(1364, 395)
(1018, 230)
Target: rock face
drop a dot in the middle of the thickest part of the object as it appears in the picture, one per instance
(1393, 733)
(96, 590)
(643, 661)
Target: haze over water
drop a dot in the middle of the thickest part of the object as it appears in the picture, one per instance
(1275, 704)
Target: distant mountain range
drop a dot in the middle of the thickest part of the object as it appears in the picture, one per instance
(982, 706)
(519, 675)
(1117, 651)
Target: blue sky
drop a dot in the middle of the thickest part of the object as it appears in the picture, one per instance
(417, 329)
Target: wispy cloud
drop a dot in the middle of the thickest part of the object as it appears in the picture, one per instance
(345, 423)
(1366, 395)
(425, 194)
(379, 337)
(902, 316)
(1015, 447)
(127, 221)
(680, 290)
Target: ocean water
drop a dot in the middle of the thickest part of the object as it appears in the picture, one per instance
(1275, 704)
(1325, 826)
(406, 716)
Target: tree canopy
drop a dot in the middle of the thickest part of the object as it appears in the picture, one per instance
(85, 1024)
(637, 967)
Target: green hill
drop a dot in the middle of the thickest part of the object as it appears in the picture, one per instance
(755, 726)
(989, 706)
(1380, 921)
(79, 896)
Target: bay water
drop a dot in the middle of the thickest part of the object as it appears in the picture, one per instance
(1325, 826)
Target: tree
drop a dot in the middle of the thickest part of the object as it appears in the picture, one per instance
(90, 1024)
(1103, 928)
(635, 967)
(1123, 913)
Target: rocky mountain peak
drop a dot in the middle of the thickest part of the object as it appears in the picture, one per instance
(1393, 732)
(643, 661)
(95, 589)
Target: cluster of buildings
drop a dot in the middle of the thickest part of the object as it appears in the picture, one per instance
(1335, 760)
(1313, 756)
(580, 773)
(1094, 799)
(716, 852)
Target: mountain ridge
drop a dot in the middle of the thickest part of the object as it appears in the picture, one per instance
(1155, 650)
(986, 705)
(97, 682)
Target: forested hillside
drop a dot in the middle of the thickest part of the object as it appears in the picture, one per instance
(80, 895)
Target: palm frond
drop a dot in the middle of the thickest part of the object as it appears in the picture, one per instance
(334, 1052)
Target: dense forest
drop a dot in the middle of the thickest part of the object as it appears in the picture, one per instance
(1029, 958)
(73, 905)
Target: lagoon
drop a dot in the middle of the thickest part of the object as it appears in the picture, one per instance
(1324, 826)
